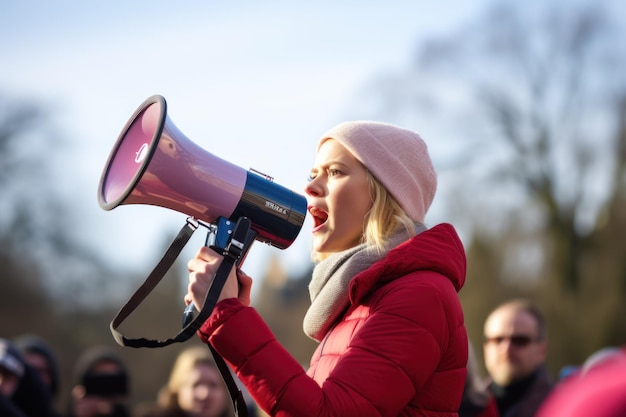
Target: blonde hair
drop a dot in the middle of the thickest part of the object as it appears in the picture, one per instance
(384, 218)
(185, 362)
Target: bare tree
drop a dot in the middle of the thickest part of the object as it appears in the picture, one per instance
(524, 109)
(37, 221)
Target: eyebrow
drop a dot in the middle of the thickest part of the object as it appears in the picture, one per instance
(332, 162)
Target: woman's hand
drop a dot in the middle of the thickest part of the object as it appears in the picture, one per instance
(202, 269)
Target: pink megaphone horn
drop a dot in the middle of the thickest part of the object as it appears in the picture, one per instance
(153, 163)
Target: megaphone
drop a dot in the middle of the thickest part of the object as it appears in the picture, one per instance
(153, 163)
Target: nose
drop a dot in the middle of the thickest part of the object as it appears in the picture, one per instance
(202, 392)
(313, 188)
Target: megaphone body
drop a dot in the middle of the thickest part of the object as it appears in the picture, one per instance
(153, 163)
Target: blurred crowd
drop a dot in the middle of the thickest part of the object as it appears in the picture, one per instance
(29, 384)
(516, 382)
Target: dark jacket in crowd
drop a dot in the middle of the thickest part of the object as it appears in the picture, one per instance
(523, 398)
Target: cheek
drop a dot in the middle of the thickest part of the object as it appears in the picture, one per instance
(491, 355)
(8, 384)
(356, 205)
(351, 221)
(185, 398)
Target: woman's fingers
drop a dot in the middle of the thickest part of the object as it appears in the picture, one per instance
(202, 269)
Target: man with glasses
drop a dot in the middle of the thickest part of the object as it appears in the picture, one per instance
(515, 351)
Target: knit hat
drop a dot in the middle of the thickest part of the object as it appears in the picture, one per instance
(90, 359)
(397, 157)
(10, 358)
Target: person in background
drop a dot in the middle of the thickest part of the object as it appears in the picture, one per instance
(384, 309)
(602, 357)
(102, 385)
(515, 350)
(598, 390)
(38, 354)
(478, 401)
(22, 393)
(195, 388)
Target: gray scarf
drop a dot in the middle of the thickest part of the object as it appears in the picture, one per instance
(329, 284)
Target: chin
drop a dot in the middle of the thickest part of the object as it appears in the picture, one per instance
(320, 245)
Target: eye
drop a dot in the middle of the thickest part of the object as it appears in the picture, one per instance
(332, 172)
(310, 178)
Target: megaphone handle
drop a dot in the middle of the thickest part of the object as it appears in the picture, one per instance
(219, 239)
(188, 314)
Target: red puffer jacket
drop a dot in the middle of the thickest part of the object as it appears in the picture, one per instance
(400, 350)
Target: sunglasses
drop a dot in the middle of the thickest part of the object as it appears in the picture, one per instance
(515, 340)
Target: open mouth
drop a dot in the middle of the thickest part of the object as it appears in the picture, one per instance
(319, 217)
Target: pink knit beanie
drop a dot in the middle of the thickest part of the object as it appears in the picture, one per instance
(397, 157)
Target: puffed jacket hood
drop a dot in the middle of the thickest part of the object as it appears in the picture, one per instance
(440, 250)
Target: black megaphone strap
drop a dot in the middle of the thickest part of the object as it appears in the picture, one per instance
(231, 253)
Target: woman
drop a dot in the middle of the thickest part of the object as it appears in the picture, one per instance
(195, 388)
(384, 297)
